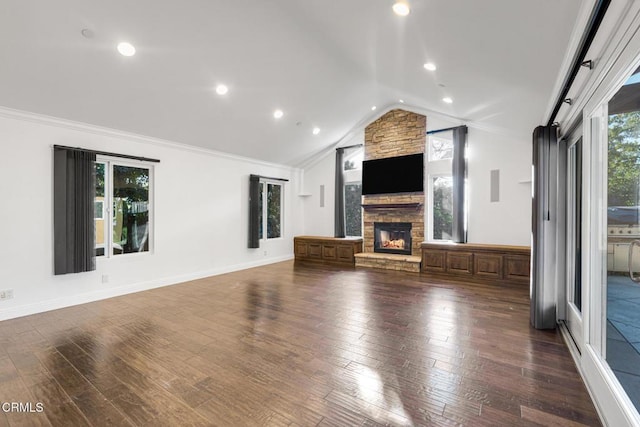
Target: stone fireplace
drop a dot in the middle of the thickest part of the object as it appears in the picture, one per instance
(392, 237)
(396, 133)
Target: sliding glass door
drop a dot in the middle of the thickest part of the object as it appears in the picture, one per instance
(621, 333)
(573, 313)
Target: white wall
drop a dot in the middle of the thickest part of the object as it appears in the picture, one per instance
(507, 221)
(200, 209)
(319, 221)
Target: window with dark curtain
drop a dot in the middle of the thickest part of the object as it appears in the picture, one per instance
(73, 212)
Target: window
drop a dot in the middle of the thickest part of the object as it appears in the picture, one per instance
(442, 220)
(270, 209)
(440, 147)
(352, 172)
(446, 167)
(440, 211)
(353, 209)
(123, 223)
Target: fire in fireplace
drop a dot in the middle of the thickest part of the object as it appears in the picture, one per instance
(392, 237)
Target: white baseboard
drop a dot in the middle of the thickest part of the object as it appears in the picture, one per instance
(57, 303)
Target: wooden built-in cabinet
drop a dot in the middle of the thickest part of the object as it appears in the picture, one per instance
(327, 249)
(477, 262)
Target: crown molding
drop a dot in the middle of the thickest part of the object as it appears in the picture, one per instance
(28, 116)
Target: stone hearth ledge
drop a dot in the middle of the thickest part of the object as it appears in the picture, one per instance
(410, 263)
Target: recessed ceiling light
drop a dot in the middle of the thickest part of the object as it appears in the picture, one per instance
(278, 114)
(447, 100)
(373, 108)
(401, 8)
(401, 101)
(222, 89)
(316, 130)
(126, 49)
(430, 66)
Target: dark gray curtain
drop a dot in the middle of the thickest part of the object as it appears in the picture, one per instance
(459, 173)
(547, 160)
(254, 211)
(339, 204)
(74, 189)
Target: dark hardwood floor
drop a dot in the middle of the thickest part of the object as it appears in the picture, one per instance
(291, 344)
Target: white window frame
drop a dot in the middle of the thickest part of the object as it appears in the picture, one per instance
(265, 213)
(353, 177)
(109, 163)
(435, 168)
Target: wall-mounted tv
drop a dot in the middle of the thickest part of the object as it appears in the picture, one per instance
(402, 174)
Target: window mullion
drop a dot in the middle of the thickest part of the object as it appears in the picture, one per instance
(265, 194)
(109, 203)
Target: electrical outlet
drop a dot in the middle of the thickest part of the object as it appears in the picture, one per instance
(265, 253)
(105, 278)
(6, 294)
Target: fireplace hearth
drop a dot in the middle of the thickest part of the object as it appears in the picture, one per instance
(392, 237)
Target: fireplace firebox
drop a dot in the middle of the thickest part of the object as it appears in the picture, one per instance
(392, 237)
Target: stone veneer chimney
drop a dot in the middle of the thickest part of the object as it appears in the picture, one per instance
(396, 133)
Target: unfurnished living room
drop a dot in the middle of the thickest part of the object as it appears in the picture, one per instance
(312, 213)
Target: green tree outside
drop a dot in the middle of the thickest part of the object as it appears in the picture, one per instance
(624, 159)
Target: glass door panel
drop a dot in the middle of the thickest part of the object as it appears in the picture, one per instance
(574, 242)
(623, 238)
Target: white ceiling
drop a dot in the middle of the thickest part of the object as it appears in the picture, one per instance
(323, 62)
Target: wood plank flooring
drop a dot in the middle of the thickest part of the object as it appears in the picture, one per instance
(290, 344)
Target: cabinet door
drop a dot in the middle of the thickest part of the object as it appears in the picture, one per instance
(315, 250)
(488, 265)
(517, 268)
(302, 249)
(434, 261)
(345, 253)
(460, 262)
(329, 252)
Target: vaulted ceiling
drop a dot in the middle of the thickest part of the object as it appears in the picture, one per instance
(323, 63)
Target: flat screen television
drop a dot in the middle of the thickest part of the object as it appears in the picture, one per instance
(402, 174)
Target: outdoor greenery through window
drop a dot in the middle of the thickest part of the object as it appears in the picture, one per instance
(124, 190)
(442, 207)
(440, 183)
(353, 191)
(270, 209)
(624, 159)
(99, 209)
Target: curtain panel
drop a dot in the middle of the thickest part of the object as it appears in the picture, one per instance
(339, 227)
(74, 189)
(254, 211)
(459, 175)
